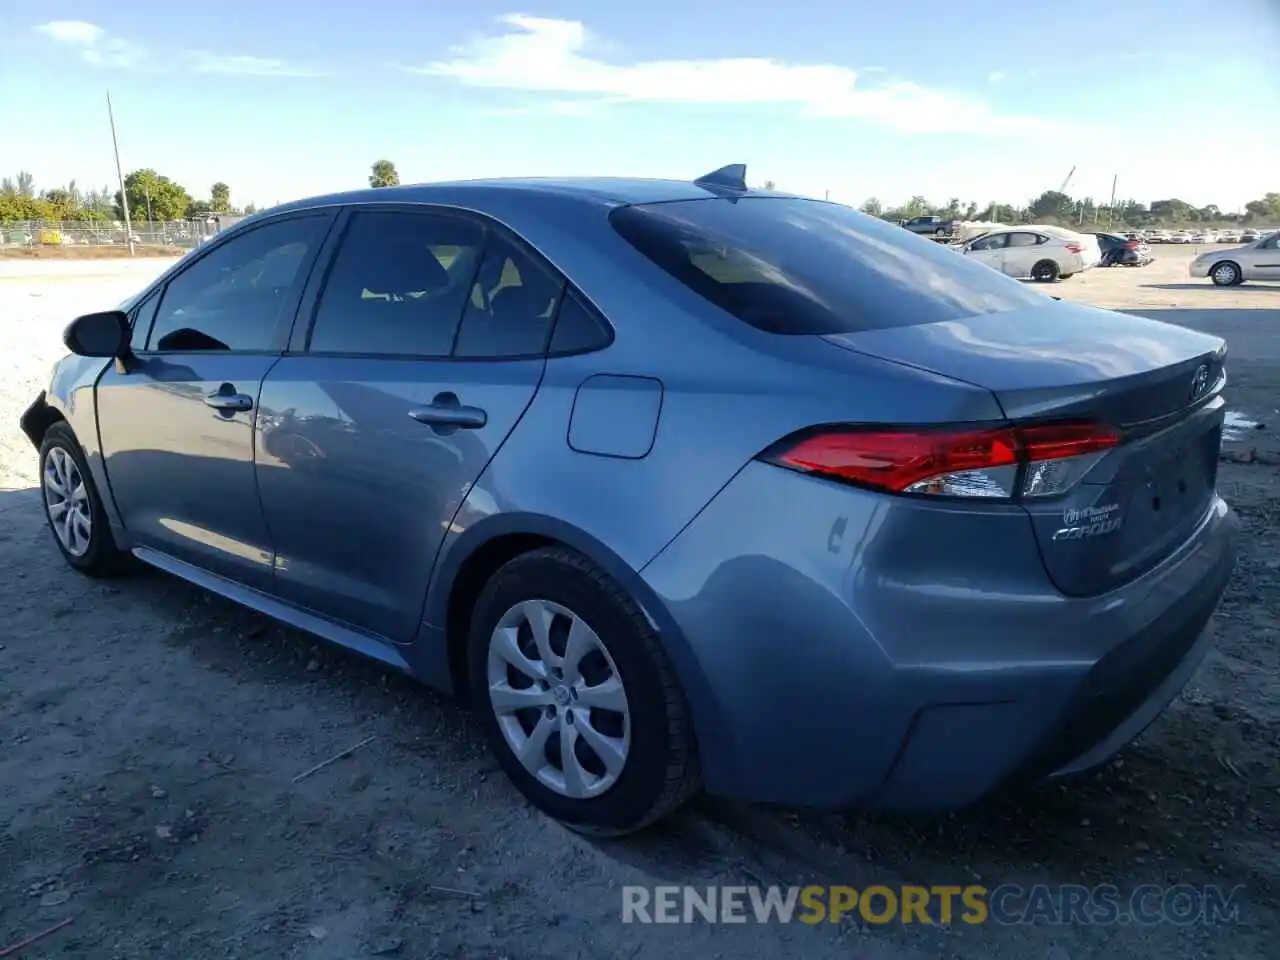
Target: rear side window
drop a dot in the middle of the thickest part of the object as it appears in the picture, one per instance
(511, 306)
(398, 285)
(1023, 239)
(792, 266)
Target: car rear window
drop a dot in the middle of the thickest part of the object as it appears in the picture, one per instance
(796, 266)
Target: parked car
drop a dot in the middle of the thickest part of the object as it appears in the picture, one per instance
(679, 484)
(1250, 235)
(1229, 236)
(1259, 260)
(1120, 251)
(1158, 236)
(1043, 254)
(933, 226)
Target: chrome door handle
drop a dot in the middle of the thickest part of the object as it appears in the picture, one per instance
(227, 400)
(446, 414)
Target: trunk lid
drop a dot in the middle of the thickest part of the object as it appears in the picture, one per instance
(1157, 383)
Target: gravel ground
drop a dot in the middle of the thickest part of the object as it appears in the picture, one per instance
(150, 736)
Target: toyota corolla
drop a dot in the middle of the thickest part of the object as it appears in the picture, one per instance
(681, 485)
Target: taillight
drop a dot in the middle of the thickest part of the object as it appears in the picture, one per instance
(1075, 248)
(1041, 460)
(1131, 245)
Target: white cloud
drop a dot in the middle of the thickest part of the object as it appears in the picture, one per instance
(547, 56)
(996, 76)
(76, 32)
(101, 49)
(94, 44)
(202, 61)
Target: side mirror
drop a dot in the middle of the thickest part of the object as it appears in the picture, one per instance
(103, 334)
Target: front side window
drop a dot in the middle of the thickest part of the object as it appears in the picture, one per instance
(793, 266)
(1023, 239)
(398, 285)
(234, 297)
(990, 243)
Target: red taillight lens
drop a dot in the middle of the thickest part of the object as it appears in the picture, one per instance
(970, 463)
(1075, 248)
(1131, 245)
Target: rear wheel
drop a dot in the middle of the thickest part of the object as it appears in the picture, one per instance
(1046, 271)
(74, 509)
(578, 700)
(1226, 274)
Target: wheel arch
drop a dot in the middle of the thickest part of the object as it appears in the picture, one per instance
(473, 556)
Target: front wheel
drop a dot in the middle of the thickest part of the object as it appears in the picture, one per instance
(577, 697)
(1226, 274)
(74, 509)
(1046, 271)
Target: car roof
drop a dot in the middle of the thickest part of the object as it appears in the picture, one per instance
(606, 191)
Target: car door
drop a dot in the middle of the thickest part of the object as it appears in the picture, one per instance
(1262, 262)
(412, 360)
(989, 250)
(177, 418)
(1021, 253)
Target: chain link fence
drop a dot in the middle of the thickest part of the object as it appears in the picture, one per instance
(183, 234)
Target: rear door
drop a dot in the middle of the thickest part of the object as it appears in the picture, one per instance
(414, 357)
(1021, 253)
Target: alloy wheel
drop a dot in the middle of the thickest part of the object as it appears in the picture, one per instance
(559, 699)
(67, 500)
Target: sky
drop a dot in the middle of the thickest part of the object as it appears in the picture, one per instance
(977, 99)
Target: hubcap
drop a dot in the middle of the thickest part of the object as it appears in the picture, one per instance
(67, 501)
(559, 699)
(1224, 273)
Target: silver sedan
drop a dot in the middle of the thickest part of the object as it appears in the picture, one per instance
(1259, 260)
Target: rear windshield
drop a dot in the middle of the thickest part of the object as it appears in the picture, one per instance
(795, 266)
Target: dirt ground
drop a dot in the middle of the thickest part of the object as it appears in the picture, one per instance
(86, 252)
(151, 736)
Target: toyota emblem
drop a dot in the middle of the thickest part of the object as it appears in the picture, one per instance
(1200, 382)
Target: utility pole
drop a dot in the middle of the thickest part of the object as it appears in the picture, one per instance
(1111, 210)
(124, 197)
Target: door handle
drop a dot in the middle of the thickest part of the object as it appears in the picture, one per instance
(226, 400)
(446, 414)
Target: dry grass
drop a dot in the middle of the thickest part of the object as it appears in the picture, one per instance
(87, 252)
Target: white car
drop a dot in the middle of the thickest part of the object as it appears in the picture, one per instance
(1158, 236)
(1259, 260)
(1042, 253)
(1229, 236)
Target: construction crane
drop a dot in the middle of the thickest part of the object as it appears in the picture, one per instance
(1070, 173)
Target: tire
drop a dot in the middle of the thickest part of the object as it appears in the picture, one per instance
(63, 468)
(1046, 271)
(658, 770)
(1226, 274)
(1066, 276)
(940, 232)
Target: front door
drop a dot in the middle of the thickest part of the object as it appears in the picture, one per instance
(988, 250)
(1265, 262)
(427, 345)
(177, 420)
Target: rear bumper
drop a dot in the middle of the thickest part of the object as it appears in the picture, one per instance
(846, 658)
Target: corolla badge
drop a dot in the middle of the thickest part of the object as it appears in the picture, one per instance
(1086, 523)
(1200, 382)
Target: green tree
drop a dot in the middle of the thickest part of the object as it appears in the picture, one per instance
(383, 174)
(250, 209)
(1052, 205)
(1268, 208)
(152, 196)
(220, 197)
(872, 207)
(26, 184)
